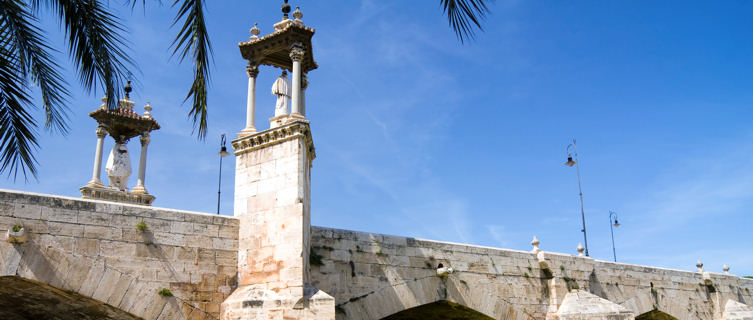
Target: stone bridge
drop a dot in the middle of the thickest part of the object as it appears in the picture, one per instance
(88, 259)
(65, 258)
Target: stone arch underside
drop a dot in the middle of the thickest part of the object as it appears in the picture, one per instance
(655, 315)
(440, 310)
(22, 299)
(428, 294)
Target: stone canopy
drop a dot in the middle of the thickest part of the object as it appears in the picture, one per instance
(274, 48)
(123, 122)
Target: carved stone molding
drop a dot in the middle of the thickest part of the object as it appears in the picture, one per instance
(101, 132)
(266, 138)
(297, 51)
(252, 70)
(145, 139)
(108, 194)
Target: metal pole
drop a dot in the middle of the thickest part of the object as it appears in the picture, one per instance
(611, 229)
(222, 154)
(219, 186)
(580, 191)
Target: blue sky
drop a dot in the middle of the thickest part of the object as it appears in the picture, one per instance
(419, 135)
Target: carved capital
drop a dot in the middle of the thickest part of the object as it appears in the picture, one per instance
(296, 52)
(101, 132)
(252, 70)
(145, 139)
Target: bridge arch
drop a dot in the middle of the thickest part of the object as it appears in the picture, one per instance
(88, 285)
(653, 304)
(424, 297)
(440, 310)
(655, 315)
(26, 299)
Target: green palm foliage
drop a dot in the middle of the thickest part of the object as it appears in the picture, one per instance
(25, 61)
(98, 51)
(464, 16)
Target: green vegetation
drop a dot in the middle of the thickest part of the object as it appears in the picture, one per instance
(526, 275)
(141, 226)
(379, 252)
(315, 259)
(562, 267)
(165, 292)
(17, 228)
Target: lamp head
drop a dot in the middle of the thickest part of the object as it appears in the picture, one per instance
(570, 162)
(223, 152)
(616, 223)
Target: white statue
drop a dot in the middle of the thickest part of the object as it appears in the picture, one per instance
(282, 90)
(119, 166)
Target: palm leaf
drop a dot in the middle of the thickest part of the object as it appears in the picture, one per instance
(193, 39)
(26, 42)
(95, 44)
(464, 16)
(17, 136)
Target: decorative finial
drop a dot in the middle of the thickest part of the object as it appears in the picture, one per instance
(285, 10)
(148, 110)
(726, 269)
(297, 14)
(255, 32)
(580, 249)
(699, 264)
(535, 242)
(128, 89)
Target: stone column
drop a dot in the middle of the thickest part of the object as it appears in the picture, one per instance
(252, 70)
(95, 181)
(304, 85)
(296, 54)
(139, 188)
(272, 204)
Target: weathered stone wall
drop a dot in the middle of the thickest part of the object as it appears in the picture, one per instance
(373, 276)
(272, 203)
(93, 248)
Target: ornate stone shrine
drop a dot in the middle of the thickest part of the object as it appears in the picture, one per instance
(122, 124)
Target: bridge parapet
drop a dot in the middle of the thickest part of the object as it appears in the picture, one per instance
(373, 276)
(123, 255)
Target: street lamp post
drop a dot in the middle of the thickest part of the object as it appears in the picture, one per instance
(223, 153)
(615, 223)
(570, 162)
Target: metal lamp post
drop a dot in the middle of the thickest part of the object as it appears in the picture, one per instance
(223, 153)
(615, 223)
(570, 162)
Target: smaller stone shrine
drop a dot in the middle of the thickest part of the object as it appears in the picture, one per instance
(122, 124)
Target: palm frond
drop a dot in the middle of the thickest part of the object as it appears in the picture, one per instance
(95, 44)
(17, 136)
(464, 16)
(193, 39)
(25, 41)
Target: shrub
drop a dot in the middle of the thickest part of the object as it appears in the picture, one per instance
(165, 292)
(141, 226)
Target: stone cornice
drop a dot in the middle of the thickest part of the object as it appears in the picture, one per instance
(294, 130)
(274, 48)
(107, 194)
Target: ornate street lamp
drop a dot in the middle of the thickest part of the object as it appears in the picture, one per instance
(613, 222)
(223, 153)
(570, 162)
